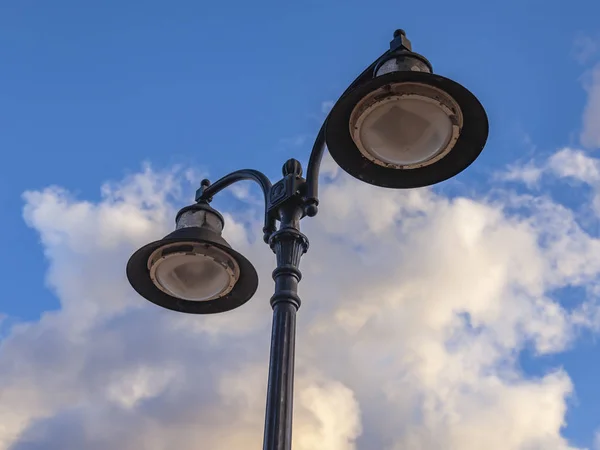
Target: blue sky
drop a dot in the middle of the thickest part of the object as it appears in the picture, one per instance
(90, 93)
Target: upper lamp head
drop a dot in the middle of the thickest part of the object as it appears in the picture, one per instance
(193, 269)
(406, 127)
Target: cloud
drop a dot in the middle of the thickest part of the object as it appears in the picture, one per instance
(574, 164)
(326, 106)
(567, 164)
(293, 142)
(597, 441)
(529, 174)
(590, 133)
(585, 48)
(246, 191)
(416, 307)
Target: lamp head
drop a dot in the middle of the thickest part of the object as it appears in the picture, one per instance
(193, 269)
(406, 127)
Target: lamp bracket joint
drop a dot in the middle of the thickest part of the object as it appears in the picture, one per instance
(288, 190)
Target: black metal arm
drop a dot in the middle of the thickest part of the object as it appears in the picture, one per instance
(318, 150)
(311, 186)
(208, 190)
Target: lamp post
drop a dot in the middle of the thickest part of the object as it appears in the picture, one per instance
(397, 125)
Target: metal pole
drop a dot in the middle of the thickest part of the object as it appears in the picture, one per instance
(289, 245)
(280, 395)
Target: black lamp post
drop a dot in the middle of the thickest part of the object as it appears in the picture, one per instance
(398, 125)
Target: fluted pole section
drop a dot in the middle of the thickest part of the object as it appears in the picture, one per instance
(289, 245)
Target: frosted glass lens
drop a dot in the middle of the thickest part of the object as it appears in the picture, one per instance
(405, 131)
(192, 277)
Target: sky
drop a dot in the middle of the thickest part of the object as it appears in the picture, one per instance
(461, 316)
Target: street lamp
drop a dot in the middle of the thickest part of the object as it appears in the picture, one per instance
(398, 125)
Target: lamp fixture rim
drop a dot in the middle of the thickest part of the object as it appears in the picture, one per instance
(214, 253)
(409, 91)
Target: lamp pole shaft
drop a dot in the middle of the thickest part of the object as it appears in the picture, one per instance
(280, 391)
(289, 245)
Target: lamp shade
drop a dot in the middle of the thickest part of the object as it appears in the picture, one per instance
(193, 269)
(406, 129)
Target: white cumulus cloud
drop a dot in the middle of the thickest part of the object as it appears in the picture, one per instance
(415, 309)
(590, 133)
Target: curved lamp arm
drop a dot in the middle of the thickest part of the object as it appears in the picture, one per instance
(311, 200)
(208, 190)
(318, 150)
